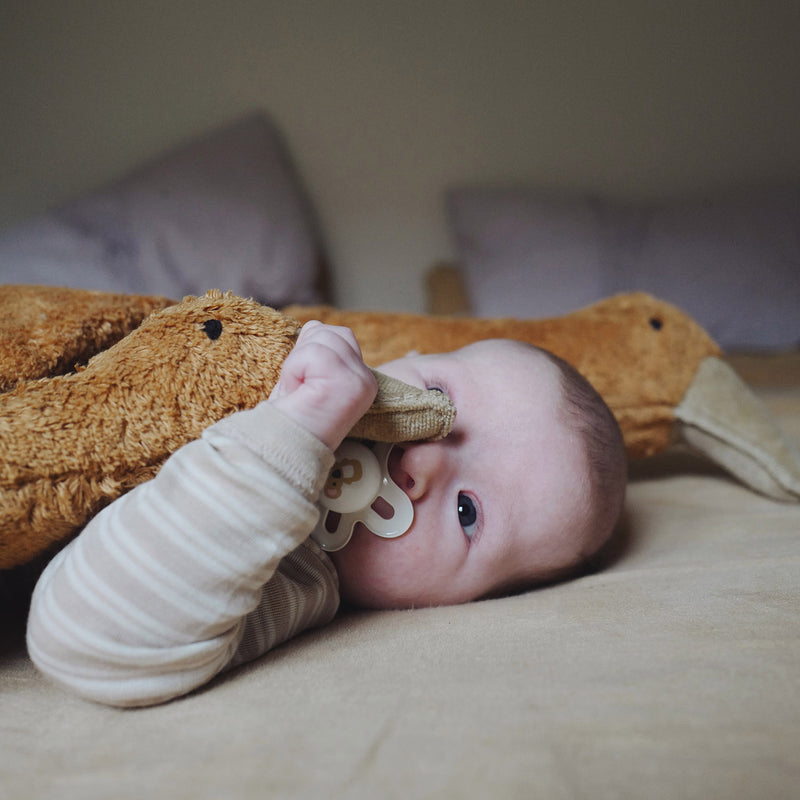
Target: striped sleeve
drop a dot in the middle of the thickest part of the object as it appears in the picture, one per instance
(303, 593)
(173, 581)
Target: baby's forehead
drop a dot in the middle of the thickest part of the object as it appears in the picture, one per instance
(510, 346)
(507, 353)
(483, 347)
(516, 384)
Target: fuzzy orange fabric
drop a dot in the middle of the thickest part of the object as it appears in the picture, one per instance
(47, 330)
(639, 352)
(72, 443)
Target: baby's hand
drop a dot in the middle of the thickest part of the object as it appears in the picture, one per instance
(325, 386)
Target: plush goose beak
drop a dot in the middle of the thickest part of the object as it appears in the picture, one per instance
(721, 417)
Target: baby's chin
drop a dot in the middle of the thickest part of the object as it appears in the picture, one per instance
(371, 572)
(374, 573)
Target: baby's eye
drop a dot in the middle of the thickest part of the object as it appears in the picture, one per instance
(467, 514)
(436, 384)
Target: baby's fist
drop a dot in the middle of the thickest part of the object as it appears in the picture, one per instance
(325, 386)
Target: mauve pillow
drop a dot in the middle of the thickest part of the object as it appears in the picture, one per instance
(528, 253)
(731, 261)
(225, 211)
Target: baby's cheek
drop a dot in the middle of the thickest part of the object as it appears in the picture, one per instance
(378, 573)
(360, 562)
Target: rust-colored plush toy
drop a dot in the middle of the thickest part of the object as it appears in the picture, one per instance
(73, 442)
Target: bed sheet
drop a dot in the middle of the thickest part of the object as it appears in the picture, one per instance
(673, 672)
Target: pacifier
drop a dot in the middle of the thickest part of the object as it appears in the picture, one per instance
(359, 488)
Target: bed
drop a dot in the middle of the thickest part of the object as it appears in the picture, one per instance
(673, 671)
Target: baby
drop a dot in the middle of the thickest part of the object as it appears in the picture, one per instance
(210, 564)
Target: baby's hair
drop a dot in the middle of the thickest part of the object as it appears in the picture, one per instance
(586, 413)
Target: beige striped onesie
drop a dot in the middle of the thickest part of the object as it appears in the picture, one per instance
(204, 567)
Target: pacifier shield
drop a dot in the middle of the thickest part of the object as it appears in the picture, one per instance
(359, 488)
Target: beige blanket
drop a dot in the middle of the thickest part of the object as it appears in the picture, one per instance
(675, 672)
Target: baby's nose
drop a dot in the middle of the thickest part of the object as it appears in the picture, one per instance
(413, 466)
(396, 471)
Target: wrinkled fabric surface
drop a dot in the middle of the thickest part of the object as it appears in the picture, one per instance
(673, 672)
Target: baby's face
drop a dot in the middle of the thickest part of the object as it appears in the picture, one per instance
(498, 501)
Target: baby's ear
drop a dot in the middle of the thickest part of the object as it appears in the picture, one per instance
(403, 413)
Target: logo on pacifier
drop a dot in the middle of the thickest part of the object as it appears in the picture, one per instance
(344, 472)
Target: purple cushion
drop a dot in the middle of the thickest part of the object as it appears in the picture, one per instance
(731, 261)
(225, 211)
(526, 253)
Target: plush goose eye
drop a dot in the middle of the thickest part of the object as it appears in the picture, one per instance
(467, 514)
(212, 328)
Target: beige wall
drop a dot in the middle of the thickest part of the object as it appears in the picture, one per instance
(384, 104)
